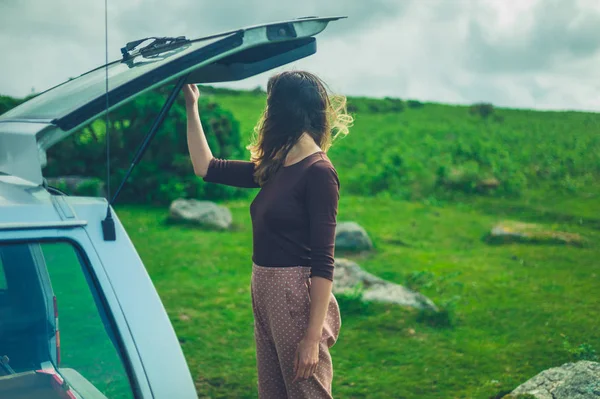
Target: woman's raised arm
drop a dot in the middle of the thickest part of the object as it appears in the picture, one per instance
(232, 173)
(197, 145)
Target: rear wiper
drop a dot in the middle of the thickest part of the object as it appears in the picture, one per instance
(157, 46)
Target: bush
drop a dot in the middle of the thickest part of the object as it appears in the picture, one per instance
(205, 89)
(91, 187)
(375, 106)
(418, 280)
(258, 91)
(437, 168)
(393, 104)
(80, 186)
(436, 154)
(414, 104)
(583, 351)
(445, 316)
(482, 109)
(352, 108)
(7, 103)
(165, 172)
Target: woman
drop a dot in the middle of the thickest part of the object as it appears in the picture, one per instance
(296, 317)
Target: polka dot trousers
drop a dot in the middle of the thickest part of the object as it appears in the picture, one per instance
(281, 306)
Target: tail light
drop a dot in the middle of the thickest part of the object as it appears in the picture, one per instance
(57, 332)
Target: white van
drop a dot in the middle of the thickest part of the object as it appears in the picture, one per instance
(79, 316)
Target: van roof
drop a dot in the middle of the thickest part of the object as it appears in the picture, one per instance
(32, 206)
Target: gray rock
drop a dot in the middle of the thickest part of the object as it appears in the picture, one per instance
(510, 231)
(349, 274)
(351, 236)
(202, 213)
(579, 380)
(79, 185)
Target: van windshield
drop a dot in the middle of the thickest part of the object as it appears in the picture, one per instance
(53, 327)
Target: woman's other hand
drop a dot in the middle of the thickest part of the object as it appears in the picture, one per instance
(191, 94)
(307, 359)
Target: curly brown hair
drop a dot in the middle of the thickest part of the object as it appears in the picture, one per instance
(298, 102)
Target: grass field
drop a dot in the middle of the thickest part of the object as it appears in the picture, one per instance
(516, 301)
(417, 153)
(410, 174)
(514, 304)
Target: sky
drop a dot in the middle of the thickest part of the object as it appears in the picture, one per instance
(540, 54)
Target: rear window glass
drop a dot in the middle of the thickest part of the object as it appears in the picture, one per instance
(91, 86)
(53, 323)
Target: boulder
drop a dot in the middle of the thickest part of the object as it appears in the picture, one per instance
(348, 275)
(350, 236)
(202, 213)
(79, 185)
(580, 380)
(511, 231)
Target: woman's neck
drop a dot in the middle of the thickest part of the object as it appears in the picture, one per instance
(303, 148)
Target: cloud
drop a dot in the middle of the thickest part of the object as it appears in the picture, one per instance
(560, 32)
(515, 53)
(187, 17)
(67, 36)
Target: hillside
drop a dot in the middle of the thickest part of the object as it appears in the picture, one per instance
(413, 150)
(428, 182)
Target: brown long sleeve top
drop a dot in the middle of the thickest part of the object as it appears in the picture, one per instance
(293, 214)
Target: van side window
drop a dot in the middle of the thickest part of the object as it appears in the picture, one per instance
(53, 327)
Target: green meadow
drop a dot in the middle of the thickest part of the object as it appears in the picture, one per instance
(412, 175)
(428, 182)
